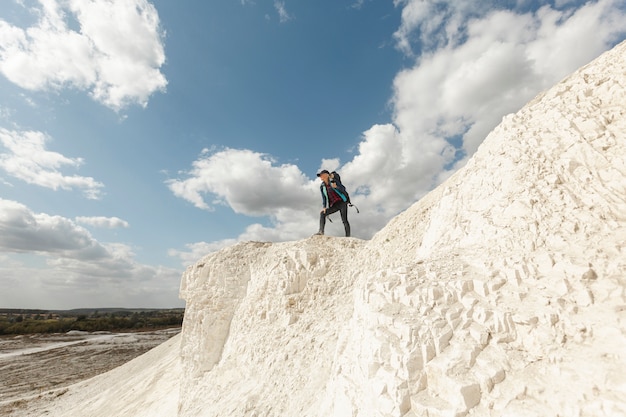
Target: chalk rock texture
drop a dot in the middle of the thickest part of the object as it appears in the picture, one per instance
(501, 293)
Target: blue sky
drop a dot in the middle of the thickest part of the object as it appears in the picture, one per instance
(137, 136)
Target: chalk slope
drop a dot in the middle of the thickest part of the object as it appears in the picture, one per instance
(501, 293)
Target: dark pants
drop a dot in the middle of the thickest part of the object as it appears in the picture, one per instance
(342, 208)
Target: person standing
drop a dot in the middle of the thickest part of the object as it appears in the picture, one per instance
(334, 199)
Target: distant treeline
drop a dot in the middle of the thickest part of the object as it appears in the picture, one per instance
(14, 321)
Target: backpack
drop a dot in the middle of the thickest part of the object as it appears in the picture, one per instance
(336, 177)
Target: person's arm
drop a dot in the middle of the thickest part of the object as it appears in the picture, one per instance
(322, 189)
(339, 187)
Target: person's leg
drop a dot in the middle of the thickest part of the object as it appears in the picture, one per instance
(322, 223)
(344, 217)
(333, 209)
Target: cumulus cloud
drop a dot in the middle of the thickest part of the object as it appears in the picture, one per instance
(21, 230)
(247, 181)
(25, 157)
(477, 64)
(104, 222)
(197, 250)
(473, 63)
(116, 54)
(492, 64)
(78, 267)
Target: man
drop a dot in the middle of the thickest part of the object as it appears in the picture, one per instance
(334, 199)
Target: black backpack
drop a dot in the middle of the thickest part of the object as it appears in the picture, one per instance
(334, 176)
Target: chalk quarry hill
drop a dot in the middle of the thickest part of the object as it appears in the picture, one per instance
(501, 293)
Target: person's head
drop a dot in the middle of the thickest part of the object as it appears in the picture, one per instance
(324, 175)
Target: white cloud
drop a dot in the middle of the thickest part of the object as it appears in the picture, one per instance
(79, 270)
(429, 25)
(6, 113)
(115, 56)
(26, 158)
(505, 58)
(358, 4)
(197, 250)
(247, 181)
(475, 65)
(23, 231)
(283, 14)
(330, 164)
(105, 222)
(61, 285)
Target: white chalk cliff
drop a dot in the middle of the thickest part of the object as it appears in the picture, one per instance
(501, 293)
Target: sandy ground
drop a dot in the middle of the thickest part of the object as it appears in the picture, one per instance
(33, 364)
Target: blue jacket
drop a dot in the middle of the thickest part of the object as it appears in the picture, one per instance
(340, 191)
